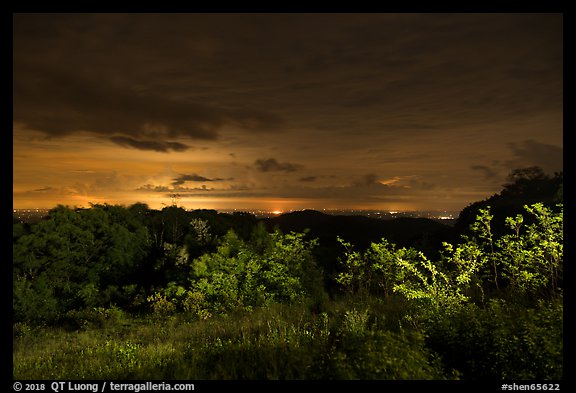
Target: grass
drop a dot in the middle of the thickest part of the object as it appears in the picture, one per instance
(280, 342)
(345, 339)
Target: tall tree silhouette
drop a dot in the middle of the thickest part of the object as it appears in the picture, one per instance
(524, 186)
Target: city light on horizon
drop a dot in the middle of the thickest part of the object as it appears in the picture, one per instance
(247, 204)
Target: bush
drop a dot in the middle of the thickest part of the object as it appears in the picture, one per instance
(274, 268)
(501, 341)
(96, 317)
(379, 354)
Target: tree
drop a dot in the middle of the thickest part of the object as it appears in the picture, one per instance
(525, 186)
(240, 275)
(375, 271)
(77, 258)
(533, 257)
(526, 182)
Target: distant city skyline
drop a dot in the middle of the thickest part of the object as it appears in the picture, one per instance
(36, 214)
(280, 112)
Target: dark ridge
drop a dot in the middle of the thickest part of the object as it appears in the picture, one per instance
(360, 230)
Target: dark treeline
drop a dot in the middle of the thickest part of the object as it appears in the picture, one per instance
(456, 288)
(524, 187)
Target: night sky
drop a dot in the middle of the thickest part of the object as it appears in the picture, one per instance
(282, 111)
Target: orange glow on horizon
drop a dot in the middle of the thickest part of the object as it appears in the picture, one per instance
(155, 201)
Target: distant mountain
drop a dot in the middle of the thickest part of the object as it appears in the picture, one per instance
(360, 230)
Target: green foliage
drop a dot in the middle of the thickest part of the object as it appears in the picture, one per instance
(34, 301)
(201, 231)
(482, 227)
(378, 354)
(161, 305)
(76, 258)
(85, 268)
(533, 259)
(96, 317)
(374, 271)
(355, 321)
(386, 271)
(530, 258)
(501, 341)
(278, 342)
(433, 290)
(200, 238)
(242, 275)
(21, 329)
(383, 270)
(354, 270)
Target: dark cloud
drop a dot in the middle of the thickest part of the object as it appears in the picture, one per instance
(69, 77)
(533, 153)
(60, 102)
(375, 192)
(84, 171)
(487, 172)
(241, 187)
(174, 189)
(150, 187)
(44, 189)
(426, 95)
(368, 189)
(77, 189)
(194, 177)
(183, 191)
(367, 180)
(149, 145)
(422, 185)
(71, 72)
(272, 165)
